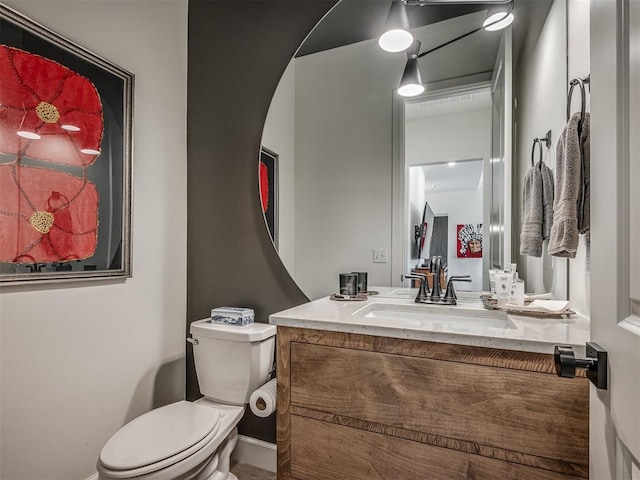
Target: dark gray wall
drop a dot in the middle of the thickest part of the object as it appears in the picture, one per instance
(238, 51)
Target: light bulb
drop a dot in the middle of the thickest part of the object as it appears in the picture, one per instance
(29, 135)
(395, 40)
(498, 21)
(90, 151)
(410, 90)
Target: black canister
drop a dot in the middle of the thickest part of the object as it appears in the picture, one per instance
(362, 281)
(348, 283)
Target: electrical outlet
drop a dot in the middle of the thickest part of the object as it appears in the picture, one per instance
(379, 255)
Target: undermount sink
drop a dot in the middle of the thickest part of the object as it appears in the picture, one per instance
(431, 317)
(403, 292)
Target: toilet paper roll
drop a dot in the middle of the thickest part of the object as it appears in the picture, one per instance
(263, 401)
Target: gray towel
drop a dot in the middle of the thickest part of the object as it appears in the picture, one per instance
(547, 200)
(570, 206)
(537, 209)
(584, 209)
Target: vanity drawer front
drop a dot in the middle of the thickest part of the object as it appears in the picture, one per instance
(533, 413)
(326, 451)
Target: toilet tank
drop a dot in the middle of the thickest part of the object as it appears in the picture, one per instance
(232, 361)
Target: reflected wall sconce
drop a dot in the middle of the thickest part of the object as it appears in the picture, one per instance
(397, 37)
(411, 83)
(498, 17)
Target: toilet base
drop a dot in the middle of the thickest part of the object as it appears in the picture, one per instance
(219, 476)
(220, 470)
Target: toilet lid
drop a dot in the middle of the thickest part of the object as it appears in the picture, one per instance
(158, 435)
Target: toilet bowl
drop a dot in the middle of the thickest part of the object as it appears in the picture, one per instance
(194, 440)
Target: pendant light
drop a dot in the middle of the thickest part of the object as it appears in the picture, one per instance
(411, 83)
(396, 36)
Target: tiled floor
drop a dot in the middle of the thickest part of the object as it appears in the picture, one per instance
(247, 472)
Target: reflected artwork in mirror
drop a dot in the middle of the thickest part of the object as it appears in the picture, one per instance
(347, 142)
(268, 182)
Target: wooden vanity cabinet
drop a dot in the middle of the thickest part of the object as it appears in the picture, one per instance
(361, 407)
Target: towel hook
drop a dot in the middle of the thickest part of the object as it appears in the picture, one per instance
(546, 139)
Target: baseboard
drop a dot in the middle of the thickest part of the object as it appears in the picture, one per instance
(256, 453)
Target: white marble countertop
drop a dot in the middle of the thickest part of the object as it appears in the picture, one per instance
(495, 329)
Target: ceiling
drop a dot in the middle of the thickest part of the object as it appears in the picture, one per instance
(451, 105)
(352, 21)
(446, 178)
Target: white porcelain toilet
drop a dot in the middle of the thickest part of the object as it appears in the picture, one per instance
(194, 440)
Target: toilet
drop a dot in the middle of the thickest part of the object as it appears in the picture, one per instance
(194, 440)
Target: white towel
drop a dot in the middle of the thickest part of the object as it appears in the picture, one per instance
(547, 306)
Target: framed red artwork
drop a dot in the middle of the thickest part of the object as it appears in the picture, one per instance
(469, 240)
(65, 158)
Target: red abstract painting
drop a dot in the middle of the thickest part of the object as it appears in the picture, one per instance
(49, 114)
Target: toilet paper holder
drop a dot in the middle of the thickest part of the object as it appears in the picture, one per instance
(263, 400)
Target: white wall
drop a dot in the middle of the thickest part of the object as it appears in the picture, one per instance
(279, 136)
(540, 106)
(460, 207)
(80, 360)
(579, 66)
(343, 164)
(444, 138)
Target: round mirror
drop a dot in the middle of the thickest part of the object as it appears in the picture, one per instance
(355, 178)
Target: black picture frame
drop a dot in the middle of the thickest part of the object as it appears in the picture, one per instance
(269, 160)
(102, 220)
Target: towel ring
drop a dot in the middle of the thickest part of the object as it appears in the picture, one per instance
(538, 141)
(533, 151)
(581, 83)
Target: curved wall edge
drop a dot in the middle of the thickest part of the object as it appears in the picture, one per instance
(237, 53)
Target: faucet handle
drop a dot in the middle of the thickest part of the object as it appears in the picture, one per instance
(435, 264)
(450, 295)
(423, 292)
(435, 267)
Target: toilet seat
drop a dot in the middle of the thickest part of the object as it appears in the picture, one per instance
(161, 438)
